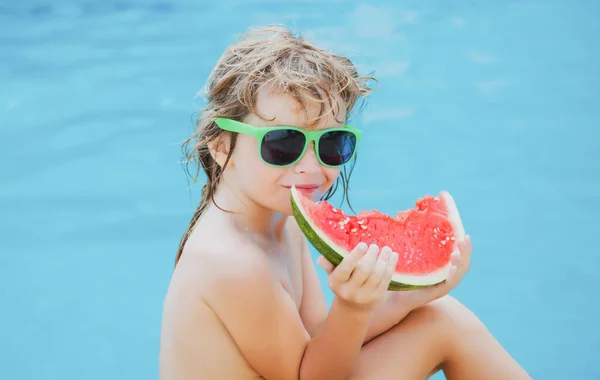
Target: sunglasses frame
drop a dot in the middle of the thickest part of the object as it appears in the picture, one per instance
(309, 135)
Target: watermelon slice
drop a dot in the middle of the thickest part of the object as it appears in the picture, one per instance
(424, 237)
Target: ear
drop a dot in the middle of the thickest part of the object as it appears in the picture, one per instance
(219, 149)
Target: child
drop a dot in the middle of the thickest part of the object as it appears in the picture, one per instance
(244, 301)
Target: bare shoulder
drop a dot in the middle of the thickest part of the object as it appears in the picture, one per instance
(201, 317)
(240, 287)
(212, 263)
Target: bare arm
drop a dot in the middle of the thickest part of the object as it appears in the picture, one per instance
(313, 309)
(327, 328)
(388, 314)
(399, 304)
(263, 320)
(259, 314)
(342, 333)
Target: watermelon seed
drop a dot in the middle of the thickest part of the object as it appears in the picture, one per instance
(363, 227)
(334, 209)
(452, 238)
(353, 230)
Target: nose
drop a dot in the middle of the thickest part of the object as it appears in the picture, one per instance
(309, 163)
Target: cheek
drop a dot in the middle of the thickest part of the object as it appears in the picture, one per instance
(331, 175)
(246, 153)
(251, 171)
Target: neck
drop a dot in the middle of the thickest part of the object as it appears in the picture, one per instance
(247, 215)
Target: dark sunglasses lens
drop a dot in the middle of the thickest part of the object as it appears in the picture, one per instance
(282, 147)
(337, 147)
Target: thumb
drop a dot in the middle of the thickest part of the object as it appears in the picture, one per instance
(323, 263)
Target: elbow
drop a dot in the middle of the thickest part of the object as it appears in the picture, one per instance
(310, 368)
(302, 367)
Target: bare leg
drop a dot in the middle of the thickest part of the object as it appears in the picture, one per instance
(441, 335)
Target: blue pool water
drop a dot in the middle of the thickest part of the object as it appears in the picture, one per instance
(496, 101)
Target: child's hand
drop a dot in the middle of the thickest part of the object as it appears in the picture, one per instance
(413, 299)
(461, 261)
(362, 278)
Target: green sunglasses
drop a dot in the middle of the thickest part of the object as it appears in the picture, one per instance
(284, 145)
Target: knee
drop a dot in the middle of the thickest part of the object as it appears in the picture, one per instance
(453, 319)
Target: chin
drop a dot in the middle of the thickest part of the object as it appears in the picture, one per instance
(278, 204)
(286, 209)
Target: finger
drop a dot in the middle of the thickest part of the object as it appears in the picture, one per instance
(390, 268)
(465, 248)
(454, 271)
(465, 245)
(433, 292)
(459, 265)
(343, 271)
(325, 264)
(365, 266)
(456, 259)
(379, 270)
(454, 278)
(468, 250)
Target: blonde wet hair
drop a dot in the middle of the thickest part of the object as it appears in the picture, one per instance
(266, 56)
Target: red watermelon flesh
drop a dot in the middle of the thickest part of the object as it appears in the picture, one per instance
(424, 236)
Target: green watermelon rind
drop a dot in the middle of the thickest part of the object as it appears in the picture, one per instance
(335, 254)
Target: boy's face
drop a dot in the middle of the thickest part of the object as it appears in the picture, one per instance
(269, 186)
